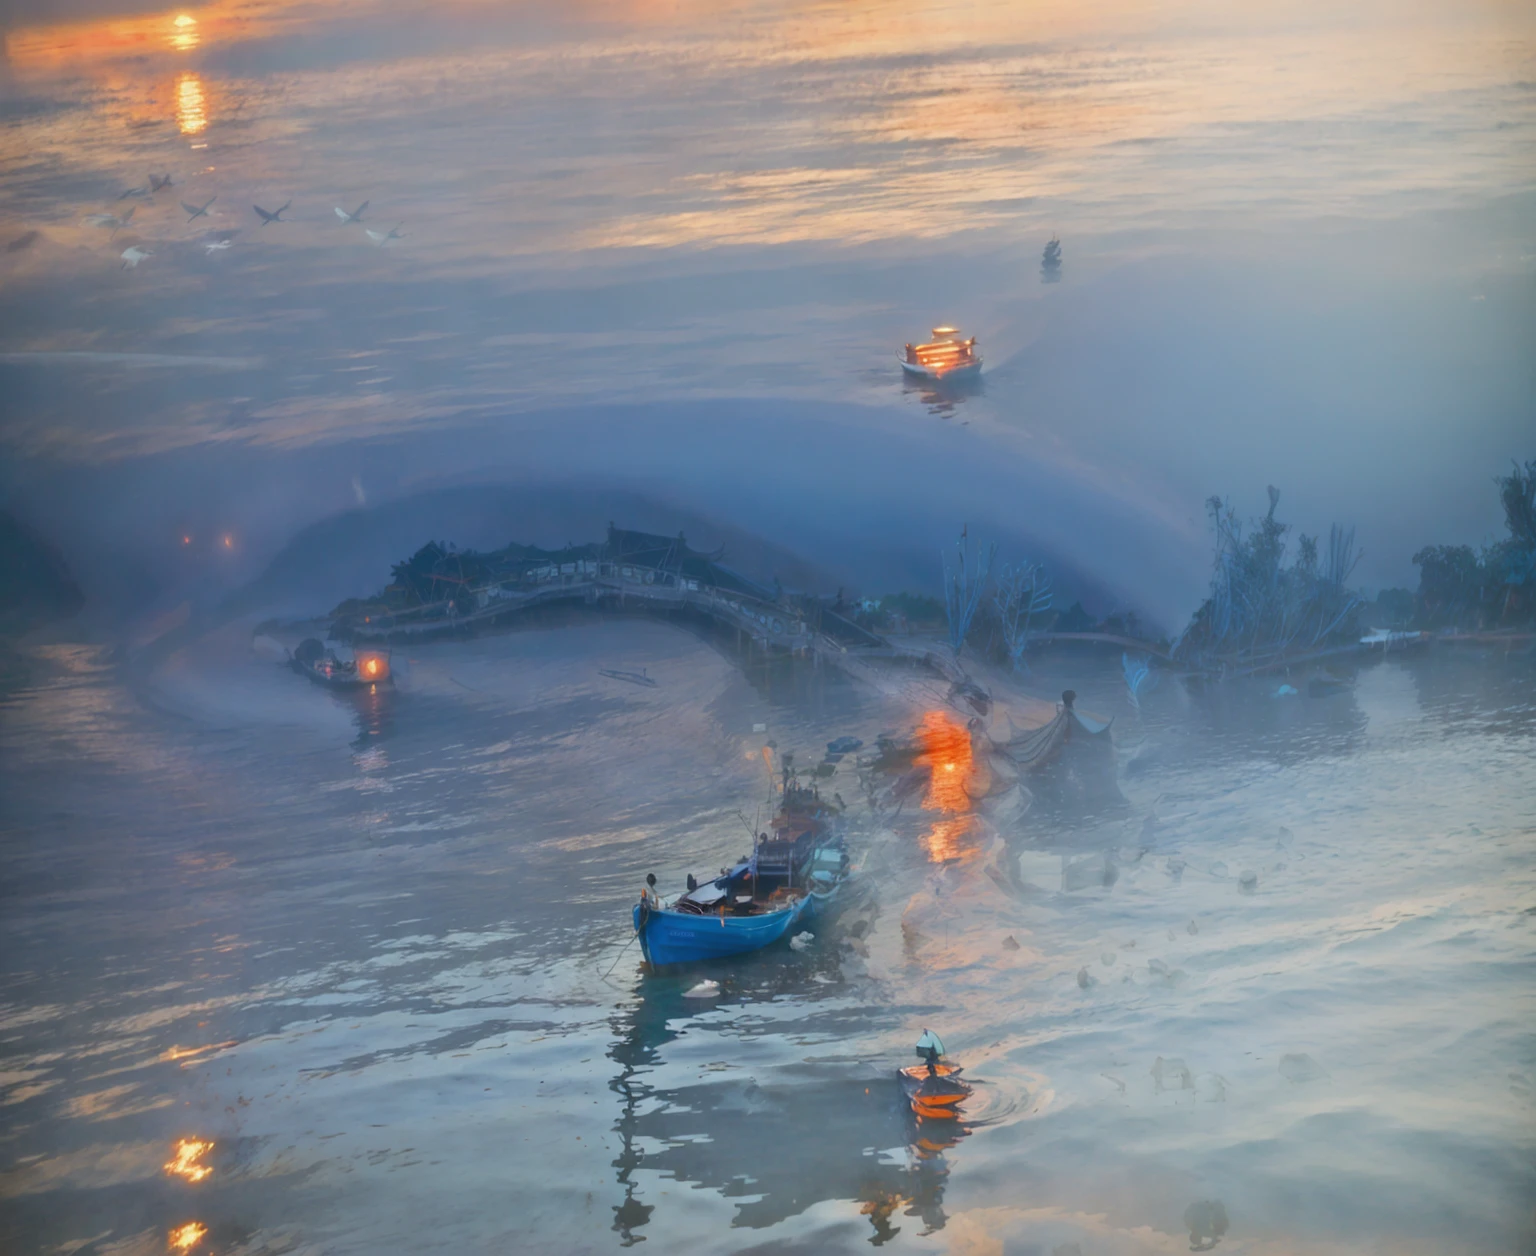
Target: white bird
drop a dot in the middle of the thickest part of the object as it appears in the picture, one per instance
(213, 241)
(133, 255)
(355, 216)
(213, 246)
(382, 238)
(198, 211)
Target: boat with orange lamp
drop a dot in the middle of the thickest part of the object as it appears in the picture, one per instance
(950, 357)
(325, 667)
(933, 1088)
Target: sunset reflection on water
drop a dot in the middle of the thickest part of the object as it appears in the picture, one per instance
(191, 107)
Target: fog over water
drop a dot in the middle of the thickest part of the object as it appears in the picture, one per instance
(653, 265)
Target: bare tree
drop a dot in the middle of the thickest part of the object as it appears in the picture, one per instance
(1023, 591)
(964, 583)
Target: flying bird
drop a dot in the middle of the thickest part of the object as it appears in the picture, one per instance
(196, 211)
(382, 238)
(355, 216)
(133, 255)
(215, 241)
(213, 246)
(136, 192)
(111, 220)
(158, 182)
(275, 215)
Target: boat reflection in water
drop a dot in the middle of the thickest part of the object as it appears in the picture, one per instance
(779, 1147)
(943, 397)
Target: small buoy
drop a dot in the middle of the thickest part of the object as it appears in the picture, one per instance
(704, 990)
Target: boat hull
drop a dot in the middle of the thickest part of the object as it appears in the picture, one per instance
(674, 937)
(915, 370)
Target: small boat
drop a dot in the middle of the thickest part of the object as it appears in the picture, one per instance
(794, 872)
(324, 667)
(933, 1088)
(948, 356)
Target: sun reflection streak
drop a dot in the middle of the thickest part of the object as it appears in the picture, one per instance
(184, 34)
(947, 751)
(951, 839)
(191, 106)
(185, 1237)
(186, 1162)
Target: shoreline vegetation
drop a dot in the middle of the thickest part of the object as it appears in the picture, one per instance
(1271, 605)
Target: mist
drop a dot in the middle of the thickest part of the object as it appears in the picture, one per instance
(289, 291)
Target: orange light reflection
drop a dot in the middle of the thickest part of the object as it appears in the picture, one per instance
(951, 839)
(191, 105)
(947, 751)
(184, 35)
(185, 1163)
(185, 1237)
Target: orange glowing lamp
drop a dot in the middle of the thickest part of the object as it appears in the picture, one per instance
(374, 667)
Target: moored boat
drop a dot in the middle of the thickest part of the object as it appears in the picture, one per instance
(325, 667)
(794, 872)
(949, 356)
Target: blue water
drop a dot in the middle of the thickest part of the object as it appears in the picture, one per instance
(373, 949)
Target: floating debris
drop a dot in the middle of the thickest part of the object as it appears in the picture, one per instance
(704, 990)
(802, 941)
(634, 678)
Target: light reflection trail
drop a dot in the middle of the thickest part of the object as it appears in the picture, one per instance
(191, 105)
(185, 1237)
(184, 34)
(186, 1163)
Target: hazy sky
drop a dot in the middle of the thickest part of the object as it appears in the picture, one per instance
(673, 247)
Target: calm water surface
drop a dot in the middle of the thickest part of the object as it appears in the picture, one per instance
(373, 950)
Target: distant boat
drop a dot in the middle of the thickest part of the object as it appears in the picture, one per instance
(323, 667)
(948, 356)
(791, 875)
(1050, 262)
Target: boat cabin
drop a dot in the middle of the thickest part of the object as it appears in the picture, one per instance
(799, 853)
(949, 350)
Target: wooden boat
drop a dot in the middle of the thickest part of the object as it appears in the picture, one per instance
(933, 1088)
(793, 873)
(365, 668)
(948, 356)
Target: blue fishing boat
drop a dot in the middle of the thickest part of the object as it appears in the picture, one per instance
(794, 872)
